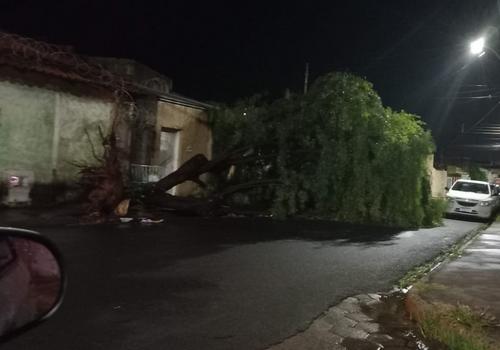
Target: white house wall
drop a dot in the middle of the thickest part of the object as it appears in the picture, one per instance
(43, 131)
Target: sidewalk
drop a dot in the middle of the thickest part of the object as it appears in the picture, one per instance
(468, 288)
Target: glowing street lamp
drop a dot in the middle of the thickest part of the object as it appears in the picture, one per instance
(477, 47)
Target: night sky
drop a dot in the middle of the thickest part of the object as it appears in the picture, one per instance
(414, 51)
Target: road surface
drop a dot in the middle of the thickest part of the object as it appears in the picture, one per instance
(219, 283)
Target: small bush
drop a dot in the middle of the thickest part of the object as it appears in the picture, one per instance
(434, 211)
(476, 173)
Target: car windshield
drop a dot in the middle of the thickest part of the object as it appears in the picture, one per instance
(471, 187)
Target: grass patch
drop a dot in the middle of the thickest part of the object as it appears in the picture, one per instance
(457, 327)
(417, 273)
(453, 252)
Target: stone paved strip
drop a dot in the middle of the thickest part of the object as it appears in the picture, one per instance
(348, 326)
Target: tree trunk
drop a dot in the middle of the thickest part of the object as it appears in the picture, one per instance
(191, 170)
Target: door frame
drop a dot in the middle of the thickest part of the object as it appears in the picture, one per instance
(176, 151)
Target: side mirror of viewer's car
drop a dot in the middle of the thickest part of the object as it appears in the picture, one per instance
(32, 280)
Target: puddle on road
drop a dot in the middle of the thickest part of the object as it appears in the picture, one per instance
(397, 331)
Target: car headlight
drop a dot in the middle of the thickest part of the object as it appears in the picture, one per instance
(485, 203)
(450, 200)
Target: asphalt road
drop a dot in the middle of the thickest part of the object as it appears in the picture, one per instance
(219, 284)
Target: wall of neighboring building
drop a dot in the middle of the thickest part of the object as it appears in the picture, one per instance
(437, 178)
(193, 132)
(494, 176)
(43, 130)
(454, 173)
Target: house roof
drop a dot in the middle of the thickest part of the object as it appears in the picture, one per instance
(64, 63)
(184, 101)
(135, 71)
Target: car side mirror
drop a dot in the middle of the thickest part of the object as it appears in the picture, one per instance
(32, 280)
(447, 188)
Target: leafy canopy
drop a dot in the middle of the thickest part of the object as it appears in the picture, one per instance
(337, 152)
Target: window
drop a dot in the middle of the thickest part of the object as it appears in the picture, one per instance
(471, 187)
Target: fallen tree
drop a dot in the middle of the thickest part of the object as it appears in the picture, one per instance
(339, 153)
(157, 196)
(104, 189)
(335, 153)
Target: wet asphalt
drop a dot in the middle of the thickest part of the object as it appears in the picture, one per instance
(195, 283)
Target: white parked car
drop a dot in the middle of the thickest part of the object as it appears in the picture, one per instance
(472, 198)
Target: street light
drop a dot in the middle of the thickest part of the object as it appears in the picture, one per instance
(477, 47)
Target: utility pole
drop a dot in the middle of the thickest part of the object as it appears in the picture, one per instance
(306, 78)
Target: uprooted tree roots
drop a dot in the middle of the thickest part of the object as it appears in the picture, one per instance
(103, 183)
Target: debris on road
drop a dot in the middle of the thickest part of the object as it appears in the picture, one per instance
(151, 221)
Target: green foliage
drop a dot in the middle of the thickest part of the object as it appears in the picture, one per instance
(434, 212)
(476, 173)
(337, 151)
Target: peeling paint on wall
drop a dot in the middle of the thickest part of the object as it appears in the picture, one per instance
(44, 131)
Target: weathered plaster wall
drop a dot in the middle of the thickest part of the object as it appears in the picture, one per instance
(194, 135)
(26, 129)
(75, 117)
(438, 183)
(437, 178)
(44, 130)
(144, 130)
